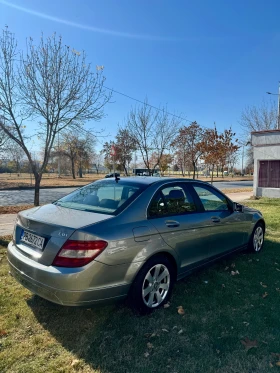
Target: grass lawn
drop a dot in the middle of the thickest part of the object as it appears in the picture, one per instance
(230, 322)
(50, 180)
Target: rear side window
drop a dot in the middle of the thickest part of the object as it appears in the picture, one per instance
(106, 197)
(211, 199)
(172, 200)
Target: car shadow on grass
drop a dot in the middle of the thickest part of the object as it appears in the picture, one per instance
(223, 304)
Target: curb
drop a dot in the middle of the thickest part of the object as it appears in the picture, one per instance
(43, 187)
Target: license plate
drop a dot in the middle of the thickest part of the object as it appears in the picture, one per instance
(33, 240)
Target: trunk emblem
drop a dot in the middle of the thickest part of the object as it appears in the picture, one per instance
(62, 234)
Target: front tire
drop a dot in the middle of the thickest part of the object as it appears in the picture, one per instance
(257, 238)
(153, 285)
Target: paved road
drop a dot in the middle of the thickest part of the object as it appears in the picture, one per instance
(233, 184)
(7, 220)
(25, 197)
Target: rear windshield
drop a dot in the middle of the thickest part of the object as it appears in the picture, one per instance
(104, 197)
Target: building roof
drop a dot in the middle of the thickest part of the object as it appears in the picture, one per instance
(265, 131)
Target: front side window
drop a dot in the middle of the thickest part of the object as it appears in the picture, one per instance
(104, 197)
(171, 200)
(211, 199)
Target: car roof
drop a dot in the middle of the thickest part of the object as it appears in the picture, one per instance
(148, 180)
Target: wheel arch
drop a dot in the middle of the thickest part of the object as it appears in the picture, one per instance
(167, 254)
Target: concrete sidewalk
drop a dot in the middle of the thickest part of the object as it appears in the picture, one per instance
(7, 221)
(241, 196)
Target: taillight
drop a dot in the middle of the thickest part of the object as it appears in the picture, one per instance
(78, 253)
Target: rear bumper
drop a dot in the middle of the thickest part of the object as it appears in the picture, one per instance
(29, 273)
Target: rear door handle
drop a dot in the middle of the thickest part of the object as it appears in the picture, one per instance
(172, 223)
(215, 219)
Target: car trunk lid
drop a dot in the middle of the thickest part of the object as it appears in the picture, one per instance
(54, 225)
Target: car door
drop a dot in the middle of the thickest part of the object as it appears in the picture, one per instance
(228, 227)
(173, 213)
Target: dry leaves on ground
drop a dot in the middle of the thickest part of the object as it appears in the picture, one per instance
(181, 310)
(248, 344)
(234, 273)
(75, 362)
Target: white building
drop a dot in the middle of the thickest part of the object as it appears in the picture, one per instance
(266, 146)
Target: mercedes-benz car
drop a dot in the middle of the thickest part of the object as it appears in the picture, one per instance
(131, 237)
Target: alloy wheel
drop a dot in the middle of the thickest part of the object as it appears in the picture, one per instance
(258, 239)
(156, 285)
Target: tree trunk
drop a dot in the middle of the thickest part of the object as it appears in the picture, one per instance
(212, 172)
(217, 171)
(80, 172)
(73, 168)
(125, 170)
(222, 171)
(37, 188)
(193, 163)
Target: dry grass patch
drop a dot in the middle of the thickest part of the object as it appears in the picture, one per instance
(237, 190)
(52, 180)
(14, 209)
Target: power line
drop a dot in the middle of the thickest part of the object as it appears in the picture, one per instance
(156, 108)
(146, 103)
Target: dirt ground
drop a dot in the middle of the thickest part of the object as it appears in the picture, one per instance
(52, 180)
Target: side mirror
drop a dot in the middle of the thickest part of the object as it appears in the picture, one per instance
(238, 207)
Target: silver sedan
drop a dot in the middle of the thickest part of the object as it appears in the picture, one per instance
(127, 237)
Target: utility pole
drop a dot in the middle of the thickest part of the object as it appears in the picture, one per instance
(278, 106)
(113, 154)
(58, 163)
(242, 170)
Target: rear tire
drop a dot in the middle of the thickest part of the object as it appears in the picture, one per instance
(257, 238)
(153, 285)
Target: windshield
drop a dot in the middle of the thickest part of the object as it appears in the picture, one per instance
(104, 197)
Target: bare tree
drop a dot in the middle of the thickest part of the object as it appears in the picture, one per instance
(97, 160)
(78, 149)
(153, 131)
(51, 84)
(232, 159)
(258, 118)
(125, 146)
(16, 153)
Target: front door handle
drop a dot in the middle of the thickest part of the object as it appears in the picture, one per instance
(172, 223)
(215, 219)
